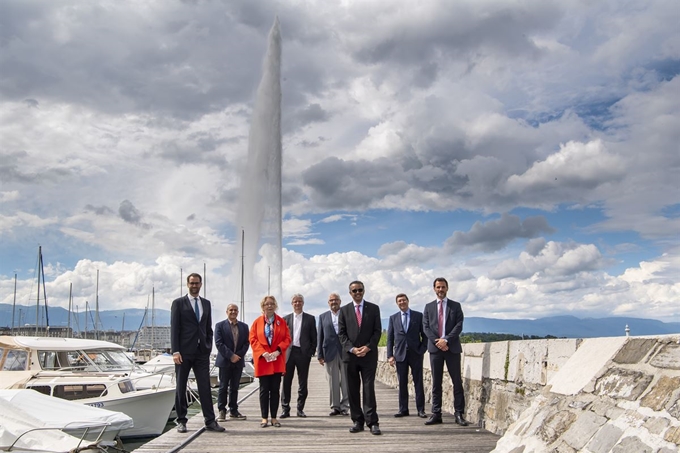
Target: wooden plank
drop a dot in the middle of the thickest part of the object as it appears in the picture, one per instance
(320, 432)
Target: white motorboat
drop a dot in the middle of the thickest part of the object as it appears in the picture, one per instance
(67, 369)
(88, 423)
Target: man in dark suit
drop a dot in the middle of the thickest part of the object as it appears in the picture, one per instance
(359, 329)
(329, 353)
(231, 340)
(406, 345)
(443, 323)
(302, 328)
(191, 338)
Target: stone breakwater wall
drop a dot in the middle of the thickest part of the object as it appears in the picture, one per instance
(597, 395)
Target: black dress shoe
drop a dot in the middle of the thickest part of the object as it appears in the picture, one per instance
(301, 413)
(214, 427)
(422, 414)
(285, 414)
(181, 427)
(375, 430)
(435, 419)
(401, 414)
(335, 412)
(357, 428)
(458, 417)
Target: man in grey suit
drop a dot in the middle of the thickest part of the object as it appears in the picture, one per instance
(443, 324)
(359, 330)
(302, 328)
(328, 351)
(406, 345)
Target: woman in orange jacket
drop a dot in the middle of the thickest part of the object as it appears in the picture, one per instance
(269, 338)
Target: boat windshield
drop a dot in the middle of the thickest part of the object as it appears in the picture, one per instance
(91, 360)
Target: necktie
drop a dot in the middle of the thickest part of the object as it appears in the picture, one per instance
(198, 313)
(441, 319)
(358, 315)
(404, 321)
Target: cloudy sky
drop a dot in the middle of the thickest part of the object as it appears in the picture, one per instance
(527, 151)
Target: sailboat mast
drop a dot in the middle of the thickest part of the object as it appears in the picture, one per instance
(14, 304)
(37, 299)
(243, 298)
(70, 307)
(153, 318)
(96, 310)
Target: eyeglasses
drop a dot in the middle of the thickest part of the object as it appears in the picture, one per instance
(358, 290)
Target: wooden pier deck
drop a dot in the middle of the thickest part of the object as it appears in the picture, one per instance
(319, 432)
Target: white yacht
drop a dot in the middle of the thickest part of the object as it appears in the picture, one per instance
(96, 373)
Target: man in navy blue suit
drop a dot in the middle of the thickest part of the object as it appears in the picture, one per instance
(191, 338)
(443, 324)
(406, 345)
(231, 339)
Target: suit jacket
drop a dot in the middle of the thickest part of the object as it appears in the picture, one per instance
(454, 325)
(328, 344)
(352, 336)
(413, 339)
(186, 331)
(224, 341)
(307, 333)
(260, 345)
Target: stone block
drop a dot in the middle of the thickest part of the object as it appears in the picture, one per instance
(559, 351)
(583, 429)
(634, 350)
(668, 357)
(605, 439)
(519, 449)
(603, 405)
(622, 383)
(473, 367)
(585, 364)
(661, 392)
(561, 447)
(498, 351)
(674, 406)
(527, 361)
(656, 425)
(632, 445)
(555, 426)
(672, 435)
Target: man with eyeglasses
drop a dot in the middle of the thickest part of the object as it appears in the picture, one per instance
(329, 353)
(359, 329)
(443, 324)
(191, 339)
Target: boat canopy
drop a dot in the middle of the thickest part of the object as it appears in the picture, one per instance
(56, 344)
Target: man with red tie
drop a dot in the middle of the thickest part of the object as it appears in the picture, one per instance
(359, 330)
(443, 324)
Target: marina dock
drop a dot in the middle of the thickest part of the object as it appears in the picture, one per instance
(319, 432)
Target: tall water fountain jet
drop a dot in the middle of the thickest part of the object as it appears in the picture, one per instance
(259, 212)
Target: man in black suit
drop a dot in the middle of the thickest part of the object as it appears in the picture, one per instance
(329, 353)
(302, 327)
(406, 345)
(191, 338)
(231, 340)
(359, 329)
(443, 323)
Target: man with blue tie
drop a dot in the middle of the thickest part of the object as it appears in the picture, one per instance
(406, 345)
(329, 353)
(191, 339)
(443, 324)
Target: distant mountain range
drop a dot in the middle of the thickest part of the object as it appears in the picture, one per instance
(558, 326)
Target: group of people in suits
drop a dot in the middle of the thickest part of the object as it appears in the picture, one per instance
(346, 344)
